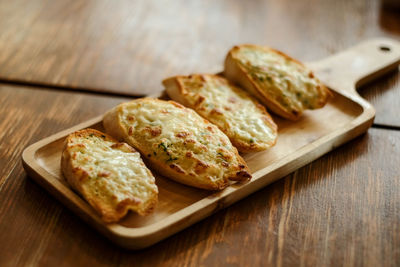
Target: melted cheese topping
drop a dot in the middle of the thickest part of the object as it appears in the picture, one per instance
(115, 172)
(174, 136)
(284, 80)
(230, 108)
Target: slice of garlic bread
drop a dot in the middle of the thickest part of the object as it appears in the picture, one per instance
(177, 142)
(110, 175)
(280, 82)
(245, 121)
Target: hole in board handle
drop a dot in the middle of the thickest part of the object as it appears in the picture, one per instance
(384, 48)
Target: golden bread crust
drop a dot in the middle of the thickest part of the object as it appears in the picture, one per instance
(110, 188)
(280, 82)
(177, 143)
(245, 121)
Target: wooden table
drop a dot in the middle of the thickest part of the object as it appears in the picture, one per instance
(343, 209)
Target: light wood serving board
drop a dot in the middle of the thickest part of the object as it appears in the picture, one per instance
(346, 116)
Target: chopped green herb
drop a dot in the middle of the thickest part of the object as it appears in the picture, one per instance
(251, 140)
(203, 142)
(154, 153)
(163, 146)
(221, 157)
(171, 159)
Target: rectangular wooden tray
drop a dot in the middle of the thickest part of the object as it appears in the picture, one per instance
(346, 116)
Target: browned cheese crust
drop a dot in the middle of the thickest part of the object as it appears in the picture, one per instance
(110, 175)
(240, 116)
(177, 143)
(280, 82)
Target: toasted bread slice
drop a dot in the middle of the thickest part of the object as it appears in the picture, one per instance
(245, 121)
(110, 175)
(177, 142)
(280, 82)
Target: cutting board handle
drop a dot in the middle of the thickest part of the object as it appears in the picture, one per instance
(358, 65)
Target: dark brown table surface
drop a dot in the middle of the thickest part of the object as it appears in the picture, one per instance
(342, 209)
(127, 47)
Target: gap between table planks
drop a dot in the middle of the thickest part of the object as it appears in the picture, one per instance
(345, 117)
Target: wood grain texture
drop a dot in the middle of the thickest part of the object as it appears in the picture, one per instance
(180, 206)
(342, 209)
(29, 114)
(384, 95)
(299, 143)
(128, 47)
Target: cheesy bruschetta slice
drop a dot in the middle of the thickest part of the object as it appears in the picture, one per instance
(280, 82)
(110, 175)
(177, 142)
(245, 121)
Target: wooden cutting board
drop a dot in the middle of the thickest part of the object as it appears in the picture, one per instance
(346, 116)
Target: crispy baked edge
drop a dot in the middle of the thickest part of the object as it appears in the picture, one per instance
(176, 91)
(107, 214)
(238, 74)
(113, 126)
